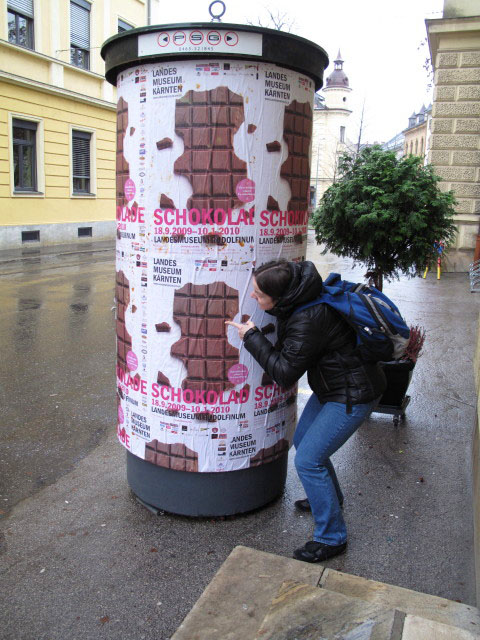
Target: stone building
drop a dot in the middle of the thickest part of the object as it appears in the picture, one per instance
(455, 151)
(415, 142)
(454, 42)
(330, 130)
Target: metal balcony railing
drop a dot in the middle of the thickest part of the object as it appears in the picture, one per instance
(475, 276)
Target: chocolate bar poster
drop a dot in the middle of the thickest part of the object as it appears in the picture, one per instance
(213, 167)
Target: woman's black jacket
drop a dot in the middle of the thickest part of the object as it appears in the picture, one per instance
(316, 340)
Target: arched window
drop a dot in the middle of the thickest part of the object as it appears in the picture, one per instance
(416, 147)
(422, 151)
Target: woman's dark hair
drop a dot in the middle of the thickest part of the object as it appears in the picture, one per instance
(273, 278)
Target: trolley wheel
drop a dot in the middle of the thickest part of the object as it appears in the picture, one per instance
(396, 420)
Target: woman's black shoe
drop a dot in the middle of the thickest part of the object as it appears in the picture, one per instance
(303, 505)
(318, 551)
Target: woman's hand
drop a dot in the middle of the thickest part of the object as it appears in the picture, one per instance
(242, 328)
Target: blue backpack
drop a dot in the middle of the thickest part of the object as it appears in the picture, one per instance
(382, 334)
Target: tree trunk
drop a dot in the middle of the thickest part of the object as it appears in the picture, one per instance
(378, 280)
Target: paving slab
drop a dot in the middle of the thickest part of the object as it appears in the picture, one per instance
(407, 600)
(234, 604)
(309, 613)
(272, 596)
(416, 628)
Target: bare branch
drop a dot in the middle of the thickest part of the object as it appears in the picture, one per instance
(275, 20)
(427, 64)
(360, 129)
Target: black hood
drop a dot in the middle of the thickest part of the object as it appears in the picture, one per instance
(306, 285)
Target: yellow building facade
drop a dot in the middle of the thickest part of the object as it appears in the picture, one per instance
(58, 118)
(416, 134)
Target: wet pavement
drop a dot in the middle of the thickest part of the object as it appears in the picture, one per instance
(81, 558)
(58, 356)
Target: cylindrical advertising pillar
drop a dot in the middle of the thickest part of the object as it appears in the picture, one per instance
(214, 127)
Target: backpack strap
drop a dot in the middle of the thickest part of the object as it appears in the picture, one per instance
(312, 303)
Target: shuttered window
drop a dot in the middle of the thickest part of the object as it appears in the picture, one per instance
(24, 7)
(20, 22)
(123, 26)
(80, 33)
(81, 161)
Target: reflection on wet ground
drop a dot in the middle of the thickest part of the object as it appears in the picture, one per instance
(32, 260)
(28, 304)
(57, 344)
(79, 307)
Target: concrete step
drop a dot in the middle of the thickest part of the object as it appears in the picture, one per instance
(235, 603)
(412, 602)
(303, 611)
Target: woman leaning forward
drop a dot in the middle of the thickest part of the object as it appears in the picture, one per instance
(316, 340)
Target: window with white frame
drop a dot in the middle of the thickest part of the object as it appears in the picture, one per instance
(80, 33)
(20, 22)
(81, 162)
(24, 138)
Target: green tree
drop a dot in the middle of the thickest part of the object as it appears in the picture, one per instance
(386, 213)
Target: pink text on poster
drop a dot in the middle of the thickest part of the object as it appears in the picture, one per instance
(246, 190)
(238, 374)
(130, 190)
(132, 361)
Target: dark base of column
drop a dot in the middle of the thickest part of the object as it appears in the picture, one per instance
(206, 494)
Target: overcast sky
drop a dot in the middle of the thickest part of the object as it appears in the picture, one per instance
(379, 41)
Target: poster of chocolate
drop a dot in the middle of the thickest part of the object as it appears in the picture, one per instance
(213, 166)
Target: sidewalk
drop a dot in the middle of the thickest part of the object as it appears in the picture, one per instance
(32, 250)
(81, 559)
(29, 257)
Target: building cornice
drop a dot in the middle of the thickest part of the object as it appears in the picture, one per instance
(438, 27)
(336, 88)
(52, 90)
(471, 23)
(339, 109)
(50, 59)
(417, 127)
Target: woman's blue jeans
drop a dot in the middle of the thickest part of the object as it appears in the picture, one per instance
(322, 429)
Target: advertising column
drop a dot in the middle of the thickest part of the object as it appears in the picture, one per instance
(213, 167)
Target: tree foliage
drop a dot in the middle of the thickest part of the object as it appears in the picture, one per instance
(386, 213)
